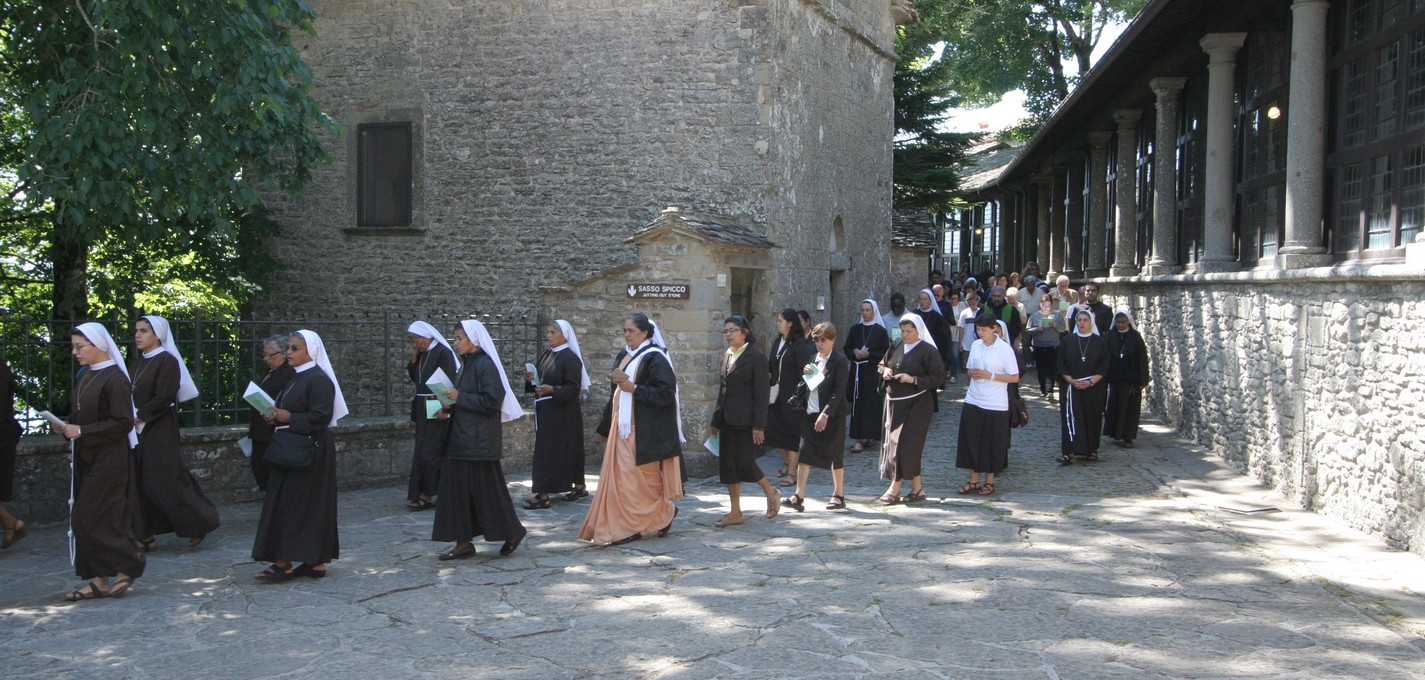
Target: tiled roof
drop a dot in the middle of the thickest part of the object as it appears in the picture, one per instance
(715, 228)
(985, 163)
(913, 229)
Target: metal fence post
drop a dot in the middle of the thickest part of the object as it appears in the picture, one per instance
(386, 365)
(197, 368)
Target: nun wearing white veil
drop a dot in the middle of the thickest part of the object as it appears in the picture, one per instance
(103, 491)
(474, 498)
(170, 500)
(558, 418)
(912, 371)
(429, 351)
(1084, 364)
(299, 521)
(866, 344)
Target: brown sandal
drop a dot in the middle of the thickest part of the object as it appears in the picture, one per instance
(988, 489)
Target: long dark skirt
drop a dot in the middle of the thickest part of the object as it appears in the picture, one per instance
(427, 457)
(784, 427)
(907, 424)
(737, 456)
(825, 449)
(1124, 409)
(169, 498)
(299, 522)
(7, 468)
(258, 463)
(865, 403)
(474, 501)
(558, 447)
(983, 444)
(105, 502)
(1045, 359)
(1080, 420)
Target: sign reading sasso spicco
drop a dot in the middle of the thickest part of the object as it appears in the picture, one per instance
(658, 291)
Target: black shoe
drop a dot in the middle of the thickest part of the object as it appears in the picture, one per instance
(799, 504)
(276, 574)
(664, 531)
(305, 569)
(576, 494)
(453, 555)
(629, 539)
(509, 547)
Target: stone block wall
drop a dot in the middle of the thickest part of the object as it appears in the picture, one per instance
(372, 452)
(910, 272)
(1311, 381)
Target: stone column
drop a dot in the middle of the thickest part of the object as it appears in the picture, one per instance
(1165, 179)
(1217, 255)
(1125, 205)
(1074, 221)
(1096, 263)
(1056, 221)
(1305, 138)
(1044, 196)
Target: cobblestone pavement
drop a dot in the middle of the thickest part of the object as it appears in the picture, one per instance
(1157, 562)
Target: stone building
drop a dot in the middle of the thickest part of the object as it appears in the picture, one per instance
(1249, 177)
(915, 240)
(494, 149)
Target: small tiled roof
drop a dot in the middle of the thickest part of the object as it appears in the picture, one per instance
(913, 229)
(712, 227)
(985, 163)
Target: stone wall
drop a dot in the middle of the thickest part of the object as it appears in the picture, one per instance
(545, 132)
(373, 452)
(910, 271)
(1309, 380)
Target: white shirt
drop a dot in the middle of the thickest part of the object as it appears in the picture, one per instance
(967, 325)
(998, 358)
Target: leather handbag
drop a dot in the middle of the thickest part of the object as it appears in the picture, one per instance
(290, 451)
(1018, 412)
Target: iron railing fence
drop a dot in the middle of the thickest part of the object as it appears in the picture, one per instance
(369, 352)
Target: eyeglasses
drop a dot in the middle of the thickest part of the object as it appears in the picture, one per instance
(730, 331)
(275, 354)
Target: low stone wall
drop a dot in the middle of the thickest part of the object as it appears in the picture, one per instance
(1309, 380)
(371, 452)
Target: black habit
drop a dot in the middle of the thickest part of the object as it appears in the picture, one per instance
(939, 328)
(827, 449)
(1127, 376)
(1081, 411)
(474, 498)
(861, 387)
(909, 408)
(430, 432)
(258, 430)
(169, 498)
(784, 421)
(106, 494)
(558, 423)
(741, 408)
(9, 432)
(299, 521)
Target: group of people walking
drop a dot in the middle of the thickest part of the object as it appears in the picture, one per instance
(803, 396)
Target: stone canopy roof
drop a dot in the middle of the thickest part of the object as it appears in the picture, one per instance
(985, 163)
(914, 229)
(705, 225)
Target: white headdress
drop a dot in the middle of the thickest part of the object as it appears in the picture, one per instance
(1083, 309)
(186, 389)
(317, 350)
(920, 328)
(426, 330)
(573, 342)
(1124, 311)
(877, 320)
(933, 304)
(99, 336)
(509, 408)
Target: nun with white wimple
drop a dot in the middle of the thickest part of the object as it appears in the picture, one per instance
(170, 500)
(642, 471)
(474, 500)
(299, 522)
(866, 344)
(429, 352)
(558, 380)
(1083, 363)
(103, 491)
(913, 370)
(936, 324)
(1127, 376)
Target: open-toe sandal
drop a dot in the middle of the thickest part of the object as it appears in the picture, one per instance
(120, 587)
(276, 574)
(914, 497)
(88, 591)
(837, 503)
(535, 503)
(728, 521)
(888, 499)
(774, 504)
(1065, 459)
(988, 489)
(309, 571)
(795, 502)
(972, 487)
(149, 545)
(1092, 457)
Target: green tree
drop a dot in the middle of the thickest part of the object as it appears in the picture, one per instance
(995, 46)
(139, 138)
(927, 159)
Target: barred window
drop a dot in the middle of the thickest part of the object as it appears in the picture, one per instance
(383, 185)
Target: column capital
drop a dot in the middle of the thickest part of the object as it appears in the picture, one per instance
(1099, 139)
(1128, 119)
(1322, 5)
(1222, 46)
(1167, 87)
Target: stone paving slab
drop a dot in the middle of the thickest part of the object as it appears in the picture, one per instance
(1126, 568)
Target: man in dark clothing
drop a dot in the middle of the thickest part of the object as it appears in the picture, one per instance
(1002, 310)
(1102, 313)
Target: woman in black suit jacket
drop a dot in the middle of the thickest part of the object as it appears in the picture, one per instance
(823, 442)
(740, 418)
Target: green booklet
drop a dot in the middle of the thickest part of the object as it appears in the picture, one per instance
(260, 400)
(432, 409)
(440, 385)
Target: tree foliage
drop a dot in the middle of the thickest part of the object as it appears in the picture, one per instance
(995, 46)
(137, 139)
(927, 159)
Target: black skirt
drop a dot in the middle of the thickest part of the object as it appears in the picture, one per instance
(475, 501)
(784, 427)
(737, 456)
(825, 449)
(983, 445)
(299, 520)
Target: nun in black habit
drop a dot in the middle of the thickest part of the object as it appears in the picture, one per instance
(430, 351)
(299, 520)
(1127, 376)
(866, 344)
(912, 371)
(169, 498)
(474, 499)
(1083, 363)
(558, 418)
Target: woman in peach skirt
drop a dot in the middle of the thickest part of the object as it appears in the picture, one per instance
(642, 473)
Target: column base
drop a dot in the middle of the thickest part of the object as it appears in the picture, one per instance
(1299, 260)
(1074, 275)
(1095, 273)
(1209, 266)
(1123, 270)
(1162, 269)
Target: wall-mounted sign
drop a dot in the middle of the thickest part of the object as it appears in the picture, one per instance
(658, 291)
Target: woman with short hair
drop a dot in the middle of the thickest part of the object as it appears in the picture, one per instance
(912, 371)
(823, 442)
(791, 350)
(739, 420)
(259, 431)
